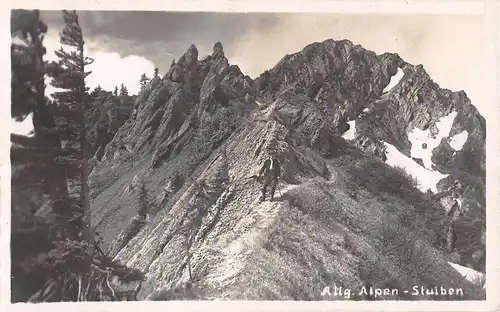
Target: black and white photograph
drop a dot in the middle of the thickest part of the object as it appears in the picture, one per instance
(248, 156)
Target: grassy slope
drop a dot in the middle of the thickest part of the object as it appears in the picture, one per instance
(323, 237)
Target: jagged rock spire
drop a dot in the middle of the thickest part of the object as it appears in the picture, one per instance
(218, 50)
(190, 58)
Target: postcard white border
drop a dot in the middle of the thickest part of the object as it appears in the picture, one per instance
(488, 7)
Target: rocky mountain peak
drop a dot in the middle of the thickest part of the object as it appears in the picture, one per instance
(190, 58)
(341, 119)
(218, 51)
(168, 109)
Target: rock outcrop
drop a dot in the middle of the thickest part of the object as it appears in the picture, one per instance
(106, 115)
(341, 214)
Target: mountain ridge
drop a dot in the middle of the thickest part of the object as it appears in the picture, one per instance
(298, 110)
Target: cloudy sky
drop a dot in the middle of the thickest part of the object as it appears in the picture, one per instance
(125, 44)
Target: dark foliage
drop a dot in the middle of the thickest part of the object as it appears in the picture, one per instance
(123, 90)
(27, 66)
(54, 253)
(144, 80)
(95, 93)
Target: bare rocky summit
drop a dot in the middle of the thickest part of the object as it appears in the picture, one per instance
(343, 214)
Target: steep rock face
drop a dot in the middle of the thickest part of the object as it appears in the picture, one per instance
(107, 114)
(370, 144)
(170, 108)
(340, 196)
(337, 74)
(177, 126)
(443, 133)
(417, 103)
(350, 82)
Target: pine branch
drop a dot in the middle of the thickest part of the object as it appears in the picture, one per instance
(68, 80)
(88, 61)
(68, 58)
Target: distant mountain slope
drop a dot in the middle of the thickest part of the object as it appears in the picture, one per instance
(399, 114)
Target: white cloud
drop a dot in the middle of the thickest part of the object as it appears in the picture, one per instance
(109, 69)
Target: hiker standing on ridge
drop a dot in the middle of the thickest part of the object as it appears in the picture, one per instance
(269, 175)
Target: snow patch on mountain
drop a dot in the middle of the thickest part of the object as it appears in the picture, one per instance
(394, 80)
(350, 134)
(423, 142)
(427, 179)
(458, 140)
(459, 201)
(470, 274)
